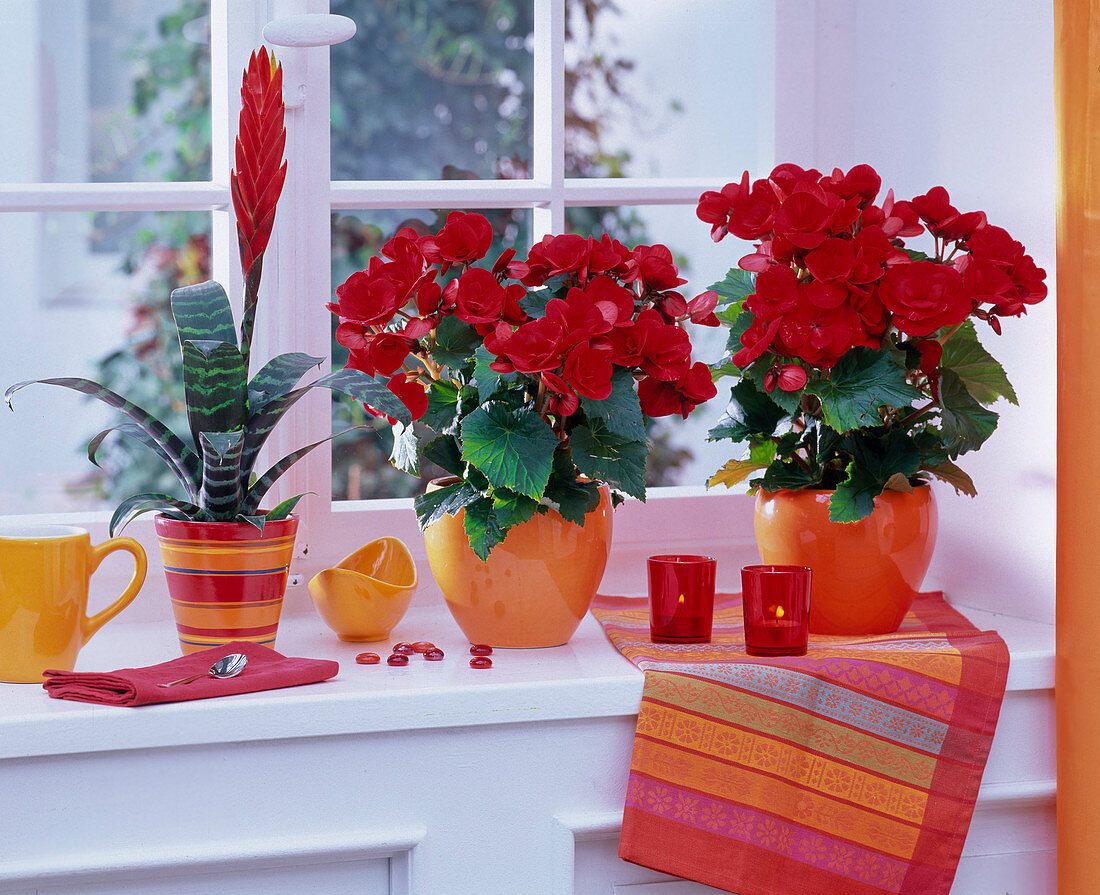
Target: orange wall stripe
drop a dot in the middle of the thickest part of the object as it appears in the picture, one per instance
(1077, 664)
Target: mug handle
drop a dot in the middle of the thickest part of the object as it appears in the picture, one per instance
(98, 553)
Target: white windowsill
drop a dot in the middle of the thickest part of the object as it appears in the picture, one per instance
(587, 678)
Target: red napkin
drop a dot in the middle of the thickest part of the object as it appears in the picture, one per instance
(266, 670)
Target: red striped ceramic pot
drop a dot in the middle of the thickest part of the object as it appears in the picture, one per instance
(226, 580)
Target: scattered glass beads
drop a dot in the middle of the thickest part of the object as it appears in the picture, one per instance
(368, 658)
(481, 649)
(481, 662)
(398, 659)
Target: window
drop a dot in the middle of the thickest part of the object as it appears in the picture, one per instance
(545, 115)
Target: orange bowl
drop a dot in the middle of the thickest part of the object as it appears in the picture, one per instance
(365, 595)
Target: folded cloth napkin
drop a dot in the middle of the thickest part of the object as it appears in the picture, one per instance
(266, 670)
(851, 770)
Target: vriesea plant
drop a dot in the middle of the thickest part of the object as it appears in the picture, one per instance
(535, 376)
(857, 358)
(230, 416)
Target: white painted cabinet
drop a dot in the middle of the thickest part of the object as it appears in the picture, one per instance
(434, 779)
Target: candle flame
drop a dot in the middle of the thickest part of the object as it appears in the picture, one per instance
(779, 613)
(680, 600)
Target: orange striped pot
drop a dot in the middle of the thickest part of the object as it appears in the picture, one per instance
(226, 579)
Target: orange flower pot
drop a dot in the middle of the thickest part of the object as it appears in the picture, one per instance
(866, 573)
(536, 585)
(226, 579)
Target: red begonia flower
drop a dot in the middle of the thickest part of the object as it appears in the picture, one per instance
(923, 296)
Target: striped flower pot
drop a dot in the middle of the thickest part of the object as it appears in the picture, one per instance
(226, 579)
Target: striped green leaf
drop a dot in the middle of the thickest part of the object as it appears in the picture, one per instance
(186, 458)
(221, 481)
(259, 489)
(178, 465)
(202, 313)
(277, 377)
(214, 387)
(151, 502)
(354, 383)
(263, 484)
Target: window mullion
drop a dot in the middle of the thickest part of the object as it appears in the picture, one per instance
(549, 115)
(297, 270)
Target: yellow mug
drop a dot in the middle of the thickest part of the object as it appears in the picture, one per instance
(44, 575)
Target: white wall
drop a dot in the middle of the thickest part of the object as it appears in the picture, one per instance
(957, 94)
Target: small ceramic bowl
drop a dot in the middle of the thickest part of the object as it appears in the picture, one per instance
(366, 594)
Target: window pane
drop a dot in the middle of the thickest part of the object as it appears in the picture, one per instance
(432, 89)
(109, 90)
(360, 460)
(659, 89)
(681, 454)
(87, 303)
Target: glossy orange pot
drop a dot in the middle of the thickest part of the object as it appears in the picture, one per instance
(866, 573)
(536, 585)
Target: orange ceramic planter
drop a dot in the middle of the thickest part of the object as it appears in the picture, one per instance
(536, 585)
(226, 579)
(866, 573)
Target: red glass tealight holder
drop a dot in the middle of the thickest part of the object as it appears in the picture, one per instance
(681, 597)
(776, 601)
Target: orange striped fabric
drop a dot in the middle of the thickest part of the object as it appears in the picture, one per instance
(851, 770)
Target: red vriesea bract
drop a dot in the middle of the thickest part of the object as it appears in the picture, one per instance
(858, 361)
(536, 375)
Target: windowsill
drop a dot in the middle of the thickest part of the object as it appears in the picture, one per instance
(586, 678)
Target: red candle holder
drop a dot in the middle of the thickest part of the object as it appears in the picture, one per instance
(776, 601)
(681, 597)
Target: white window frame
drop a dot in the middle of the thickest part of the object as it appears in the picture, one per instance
(297, 270)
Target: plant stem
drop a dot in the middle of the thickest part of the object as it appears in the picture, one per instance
(917, 414)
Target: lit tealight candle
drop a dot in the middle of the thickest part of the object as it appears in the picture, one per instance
(681, 598)
(776, 602)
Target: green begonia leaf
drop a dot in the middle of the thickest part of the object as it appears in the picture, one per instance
(513, 449)
(442, 412)
(620, 412)
(454, 342)
(606, 457)
(734, 288)
(859, 384)
(487, 380)
(482, 527)
(751, 412)
(444, 453)
(405, 455)
(965, 423)
(446, 501)
(511, 509)
(876, 459)
(982, 375)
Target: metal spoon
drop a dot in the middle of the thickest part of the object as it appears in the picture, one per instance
(230, 666)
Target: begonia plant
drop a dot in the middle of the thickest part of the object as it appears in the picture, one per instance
(531, 380)
(230, 415)
(857, 356)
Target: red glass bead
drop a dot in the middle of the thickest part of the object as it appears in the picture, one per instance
(481, 649)
(434, 654)
(398, 659)
(481, 662)
(423, 646)
(368, 658)
(403, 649)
